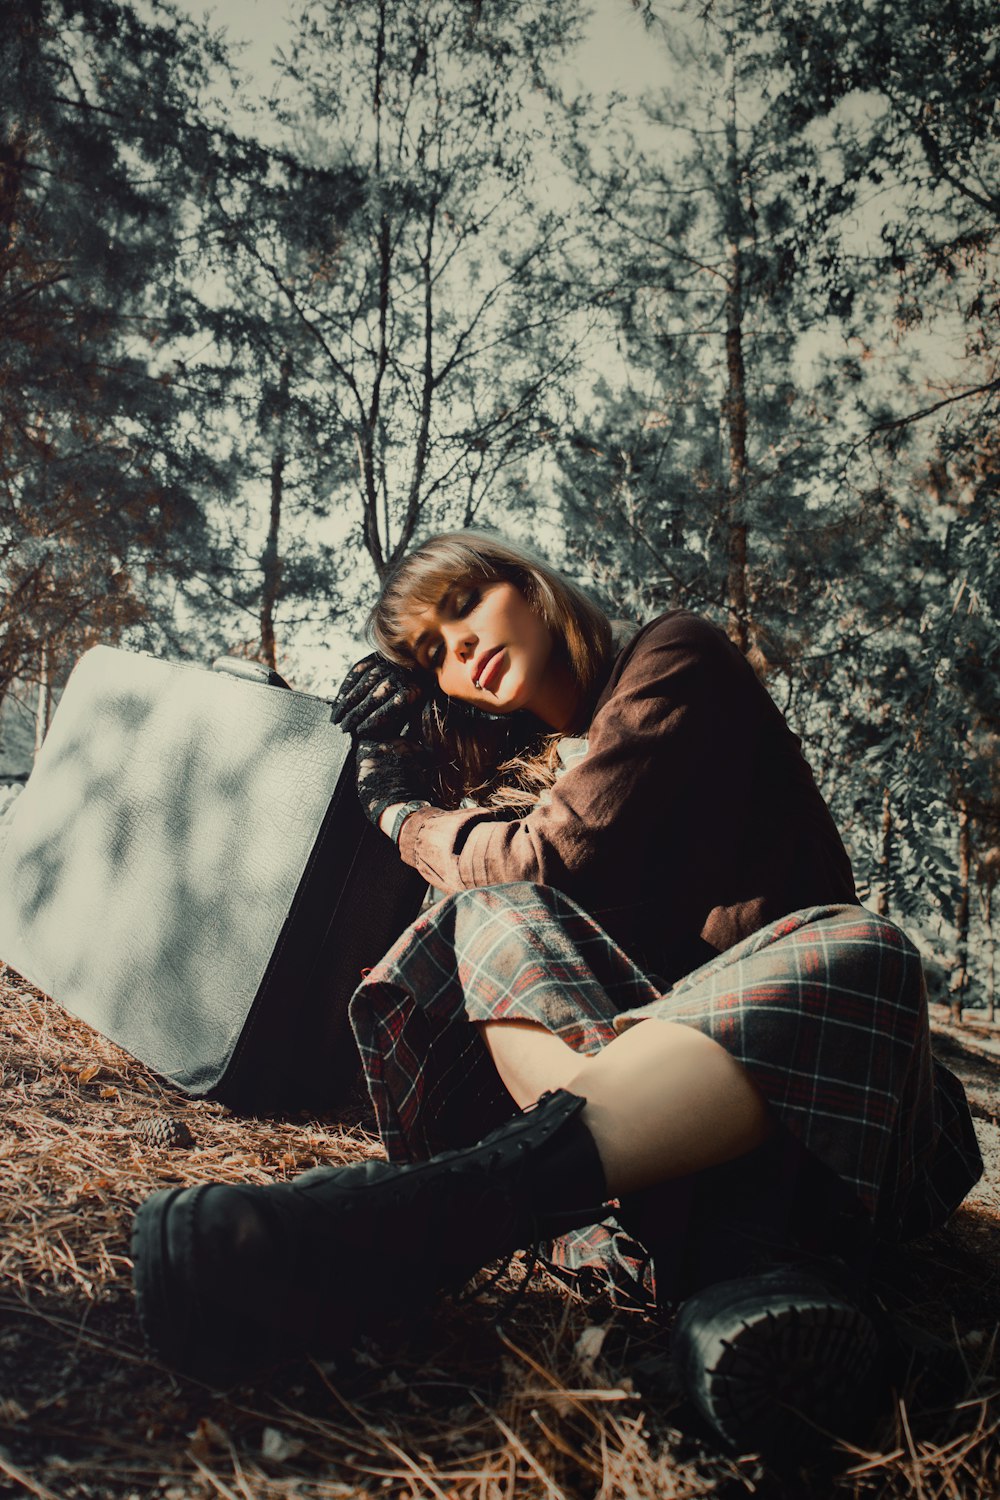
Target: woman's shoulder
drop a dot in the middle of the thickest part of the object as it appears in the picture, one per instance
(675, 627)
(679, 652)
(665, 650)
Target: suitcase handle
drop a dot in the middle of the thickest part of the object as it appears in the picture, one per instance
(249, 671)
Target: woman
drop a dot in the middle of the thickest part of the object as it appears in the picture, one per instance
(649, 985)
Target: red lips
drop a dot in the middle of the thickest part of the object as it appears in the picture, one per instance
(483, 665)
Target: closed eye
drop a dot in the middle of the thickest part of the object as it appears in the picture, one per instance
(466, 601)
(458, 603)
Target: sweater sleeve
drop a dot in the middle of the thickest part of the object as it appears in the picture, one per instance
(652, 742)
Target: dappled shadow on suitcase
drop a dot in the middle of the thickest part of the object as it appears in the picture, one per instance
(158, 853)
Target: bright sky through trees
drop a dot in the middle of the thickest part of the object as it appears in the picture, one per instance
(616, 53)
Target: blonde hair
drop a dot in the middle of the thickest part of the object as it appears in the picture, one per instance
(482, 755)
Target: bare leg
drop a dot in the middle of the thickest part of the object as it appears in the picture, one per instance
(531, 1060)
(663, 1100)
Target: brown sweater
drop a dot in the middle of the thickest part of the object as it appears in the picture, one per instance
(692, 821)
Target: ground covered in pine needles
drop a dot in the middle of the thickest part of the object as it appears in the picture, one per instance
(548, 1396)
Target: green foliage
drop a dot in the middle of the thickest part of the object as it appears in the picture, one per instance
(708, 440)
(859, 223)
(904, 100)
(95, 495)
(426, 289)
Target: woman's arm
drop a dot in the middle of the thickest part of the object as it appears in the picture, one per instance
(387, 819)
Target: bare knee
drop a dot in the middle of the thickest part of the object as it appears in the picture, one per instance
(665, 1100)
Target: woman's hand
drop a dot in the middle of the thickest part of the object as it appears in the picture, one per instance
(391, 772)
(378, 699)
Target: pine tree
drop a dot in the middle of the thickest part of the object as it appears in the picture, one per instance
(904, 100)
(726, 459)
(97, 503)
(413, 261)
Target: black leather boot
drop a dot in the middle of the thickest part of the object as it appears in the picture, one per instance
(782, 1362)
(778, 1343)
(231, 1277)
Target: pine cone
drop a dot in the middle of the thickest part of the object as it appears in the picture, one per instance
(162, 1130)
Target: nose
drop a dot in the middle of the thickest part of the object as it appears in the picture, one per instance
(460, 640)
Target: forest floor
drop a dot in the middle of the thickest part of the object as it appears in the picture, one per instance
(552, 1397)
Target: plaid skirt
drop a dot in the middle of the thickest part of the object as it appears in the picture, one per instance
(825, 1009)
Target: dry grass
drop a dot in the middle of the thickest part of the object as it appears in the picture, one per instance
(560, 1399)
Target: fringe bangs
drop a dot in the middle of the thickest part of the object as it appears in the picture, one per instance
(487, 757)
(421, 580)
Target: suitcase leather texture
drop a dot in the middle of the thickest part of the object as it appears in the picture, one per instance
(189, 871)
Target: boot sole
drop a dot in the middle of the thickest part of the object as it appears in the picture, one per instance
(777, 1372)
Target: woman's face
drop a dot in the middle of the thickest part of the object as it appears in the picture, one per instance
(487, 646)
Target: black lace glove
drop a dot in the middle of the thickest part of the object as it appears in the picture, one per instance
(392, 771)
(378, 699)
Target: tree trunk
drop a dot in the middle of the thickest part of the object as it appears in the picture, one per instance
(43, 711)
(13, 160)
(960, 980)
(270, 561)
(988, 871)
(735, 405)
(885, 857)
(378, 545)
(991, 1008)
(412, 515)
